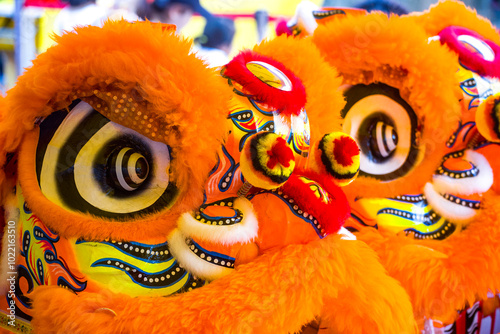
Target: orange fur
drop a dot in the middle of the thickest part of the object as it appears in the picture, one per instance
(375, 48)
(338, 280)
(277, 293)
(455, 13)
(173, 86)
(442, 277)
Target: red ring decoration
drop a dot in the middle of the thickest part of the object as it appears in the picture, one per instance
(471, 60)
(284, 102)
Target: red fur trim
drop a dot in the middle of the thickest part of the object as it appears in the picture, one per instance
(288, 103)
(332, 215)
(345, 149)
(469, 58)
(280, 153)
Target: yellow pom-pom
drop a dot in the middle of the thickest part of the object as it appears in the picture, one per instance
(266, 160)
(488, 118)
(336, 154)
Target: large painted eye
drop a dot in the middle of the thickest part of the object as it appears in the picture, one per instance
(384, 126)
(87, 163)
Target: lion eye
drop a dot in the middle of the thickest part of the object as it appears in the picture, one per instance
(87, 163)
(384, 126)
(127, 168)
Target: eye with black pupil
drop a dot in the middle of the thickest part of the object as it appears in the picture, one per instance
(127, 169)
(382, 139)
(85, 163)
(124, 166)
(141, 168)
(385, 127)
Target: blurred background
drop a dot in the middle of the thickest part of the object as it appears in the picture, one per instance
(219, 27)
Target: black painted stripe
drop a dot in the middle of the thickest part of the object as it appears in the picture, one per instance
(47, 130)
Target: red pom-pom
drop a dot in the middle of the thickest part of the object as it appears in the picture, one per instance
(280, 152)
(345, 149)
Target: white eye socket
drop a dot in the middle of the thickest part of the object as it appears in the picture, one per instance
(477, 46)
(384, 126)
(270, 75)
(89, 164)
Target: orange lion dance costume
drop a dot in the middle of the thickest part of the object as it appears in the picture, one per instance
(125, 189)
(419, 103)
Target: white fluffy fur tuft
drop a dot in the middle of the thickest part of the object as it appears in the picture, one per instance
(190, 261)
(245, 231)
(345, 234)
(481, 183)
(455, 213)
